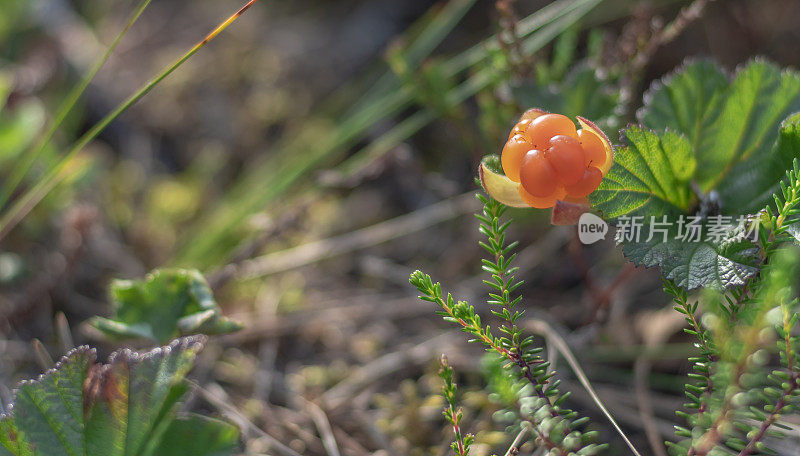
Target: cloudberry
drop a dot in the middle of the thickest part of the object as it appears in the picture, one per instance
(521, 128)
(593, 146)
(547, 159)
(545, 127)
(543, 202)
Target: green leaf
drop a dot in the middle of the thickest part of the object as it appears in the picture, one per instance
(49, 411)
(124, 408)
(732, 127)
(650, 176)
(687, 101)
(12, 441)
(167, 304)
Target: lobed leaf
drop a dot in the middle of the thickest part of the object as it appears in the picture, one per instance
(49, 411)
(688, 101)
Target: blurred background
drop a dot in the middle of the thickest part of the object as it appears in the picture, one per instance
(311, 157)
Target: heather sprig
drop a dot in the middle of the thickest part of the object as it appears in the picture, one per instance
(556, 428)
(452, 412)
(737, 402)
(697, 391)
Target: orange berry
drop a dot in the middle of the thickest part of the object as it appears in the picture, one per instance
(513, 152)
(537, 175)
(593, 147)
(520, 128)
(543, 202)
(567, 157)
(587, 184)
(542, 128)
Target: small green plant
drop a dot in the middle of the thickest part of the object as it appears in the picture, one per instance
(736, 399)
(710, 151)
(712, 148)
(130, 405)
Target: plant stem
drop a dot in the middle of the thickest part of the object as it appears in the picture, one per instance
(514, 448)
(773, 416)
(706, 349)
(501, 272)
(490, 342)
